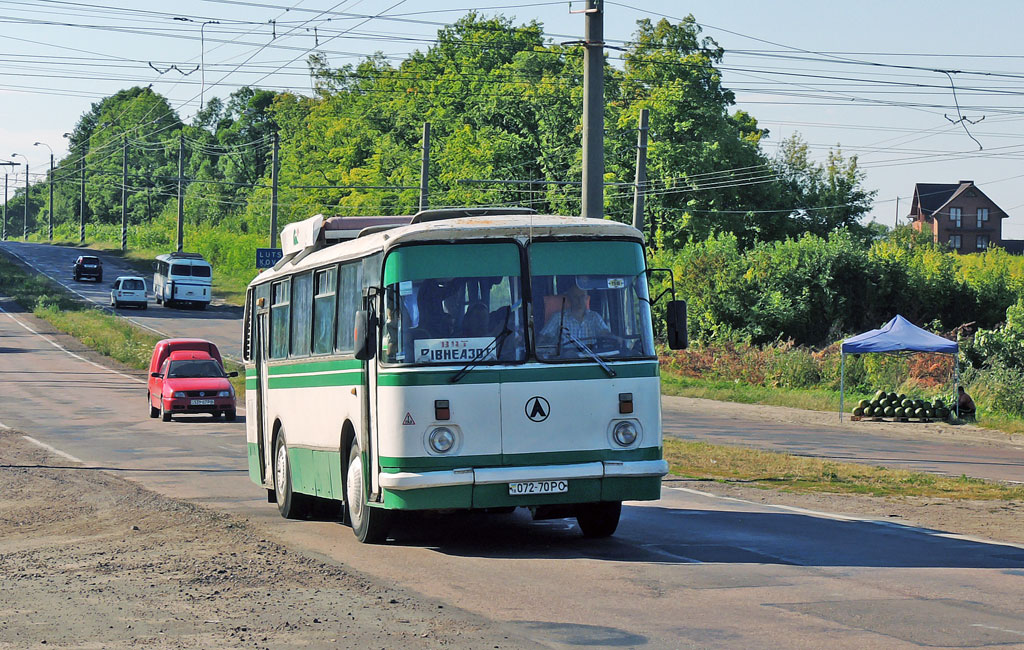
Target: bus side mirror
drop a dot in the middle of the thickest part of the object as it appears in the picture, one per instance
(676, 320)
(155, 374)
(365, 341)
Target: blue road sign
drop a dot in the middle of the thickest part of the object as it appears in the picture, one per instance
(267, 257)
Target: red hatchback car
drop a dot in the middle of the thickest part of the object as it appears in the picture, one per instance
(191, 381)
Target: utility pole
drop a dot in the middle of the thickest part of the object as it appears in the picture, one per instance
(49, 217)
(81, 201)
(425, 168)
(641, 172)
(897, 223)
(593, 111)
(3, 234)
(124, 194)
(273, 192)
(181, 190)
(24, 233)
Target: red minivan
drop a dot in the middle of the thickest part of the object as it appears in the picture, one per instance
(187, 376)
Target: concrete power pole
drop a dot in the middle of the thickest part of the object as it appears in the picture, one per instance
(81, 202)
(124, 195)
(425, 168)
(641, 172)
(593, 111)
(273, 191)
(49, 218)
(24, 234)
(4, 236)
(181, 191)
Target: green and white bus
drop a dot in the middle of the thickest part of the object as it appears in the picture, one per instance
(456, 359)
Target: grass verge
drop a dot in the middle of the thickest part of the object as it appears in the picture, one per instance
(725, 464)
(94, 327)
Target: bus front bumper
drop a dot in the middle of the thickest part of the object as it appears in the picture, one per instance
(488, 487)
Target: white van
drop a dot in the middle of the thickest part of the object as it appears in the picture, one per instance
(182, 279)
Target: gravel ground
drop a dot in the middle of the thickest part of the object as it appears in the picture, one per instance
(90, 560)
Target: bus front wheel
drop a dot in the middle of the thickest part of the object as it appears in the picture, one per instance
(369, 524)
(290, 504)
(599, 519)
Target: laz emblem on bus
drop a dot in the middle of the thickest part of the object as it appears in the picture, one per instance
(537, 409)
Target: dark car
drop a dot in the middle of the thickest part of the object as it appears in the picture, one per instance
(88, 266)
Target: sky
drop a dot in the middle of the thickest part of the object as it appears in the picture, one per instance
(919, 91)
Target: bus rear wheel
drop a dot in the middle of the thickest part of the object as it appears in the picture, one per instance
(290, 504)
(599, 519)
(369, 524)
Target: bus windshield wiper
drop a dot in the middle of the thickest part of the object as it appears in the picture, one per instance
(587, 351)
(493, 345)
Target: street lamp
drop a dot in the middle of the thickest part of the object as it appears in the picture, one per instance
(81, 199)
(49, 216)
(24, 234)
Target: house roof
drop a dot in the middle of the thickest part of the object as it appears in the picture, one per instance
(930, 198)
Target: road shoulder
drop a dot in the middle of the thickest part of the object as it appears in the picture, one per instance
(89, 557)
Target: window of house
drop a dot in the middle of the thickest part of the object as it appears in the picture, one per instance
(954, 215)
(982, 216)
(954, 242)
(982, 242)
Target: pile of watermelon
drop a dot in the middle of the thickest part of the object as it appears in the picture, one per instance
(893, 405)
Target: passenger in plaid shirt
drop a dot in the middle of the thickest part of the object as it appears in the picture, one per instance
(582, 323)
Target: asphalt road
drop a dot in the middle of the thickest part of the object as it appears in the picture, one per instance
(689, 570)
(875, 443)
(218, 322)
(866, 443)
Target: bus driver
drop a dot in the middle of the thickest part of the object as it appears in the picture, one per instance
(575, 317)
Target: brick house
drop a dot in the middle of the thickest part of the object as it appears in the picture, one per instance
(957, 214)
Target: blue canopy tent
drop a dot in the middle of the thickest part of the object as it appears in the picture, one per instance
(898, 335)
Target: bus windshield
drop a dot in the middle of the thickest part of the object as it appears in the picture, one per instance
(453, 304)
(590, 298)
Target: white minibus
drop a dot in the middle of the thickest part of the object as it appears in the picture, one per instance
(182, 279)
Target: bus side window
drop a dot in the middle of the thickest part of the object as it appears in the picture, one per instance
(324, 310)
(302, 307)
(247, 326)
(349, 301)
(280, 308)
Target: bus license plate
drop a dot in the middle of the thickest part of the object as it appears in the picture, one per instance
(202, 402)
(538, 487)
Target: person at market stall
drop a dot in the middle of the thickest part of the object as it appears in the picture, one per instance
(964, 403)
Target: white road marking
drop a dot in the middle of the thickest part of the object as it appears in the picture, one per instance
(60, 347)
(54, 450)
(1000, 629)
(4, 427)
(838, 517)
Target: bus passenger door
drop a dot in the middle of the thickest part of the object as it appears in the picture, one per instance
(260, 352)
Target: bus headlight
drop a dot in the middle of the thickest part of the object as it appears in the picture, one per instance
(624, 433)
(442, 440)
